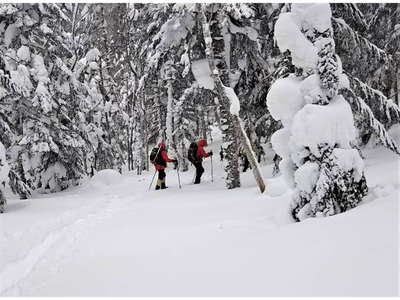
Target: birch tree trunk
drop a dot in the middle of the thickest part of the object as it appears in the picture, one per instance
(169, 124)
(227, 119)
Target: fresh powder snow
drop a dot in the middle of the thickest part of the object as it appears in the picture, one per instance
(111, 237)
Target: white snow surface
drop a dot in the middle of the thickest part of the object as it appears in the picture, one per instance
(105, 178)
(201, 240)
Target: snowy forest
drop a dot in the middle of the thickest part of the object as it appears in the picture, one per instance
(306, 94)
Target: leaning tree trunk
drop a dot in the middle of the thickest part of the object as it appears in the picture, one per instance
(228, 121)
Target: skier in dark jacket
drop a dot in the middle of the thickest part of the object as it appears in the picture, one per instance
(160, 165)
(199, 159)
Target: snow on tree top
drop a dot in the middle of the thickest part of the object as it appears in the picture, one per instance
(289, 37)
(312, 15)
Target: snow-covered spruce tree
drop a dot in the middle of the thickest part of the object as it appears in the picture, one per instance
(316, 141)
(384, 31)
(370, 64)
(46, 151)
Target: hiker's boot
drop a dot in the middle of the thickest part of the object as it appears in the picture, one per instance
(163, 186)
(158, 186)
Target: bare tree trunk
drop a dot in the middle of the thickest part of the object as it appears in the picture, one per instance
(169, 124)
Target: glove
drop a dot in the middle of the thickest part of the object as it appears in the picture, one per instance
(175, 161)
(210, 153)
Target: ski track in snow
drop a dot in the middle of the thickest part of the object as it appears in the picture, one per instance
(66, 228)
(158, 221)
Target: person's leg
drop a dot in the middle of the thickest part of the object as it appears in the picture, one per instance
(199, 172)
(197, 178)
(159, 179)
(246, 164)
(163, 176)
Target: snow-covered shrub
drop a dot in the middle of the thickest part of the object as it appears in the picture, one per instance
(316, 141)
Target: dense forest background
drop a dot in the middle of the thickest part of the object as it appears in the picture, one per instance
(87, 87)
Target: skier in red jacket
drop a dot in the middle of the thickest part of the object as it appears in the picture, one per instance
(160, 164)
(199, 161)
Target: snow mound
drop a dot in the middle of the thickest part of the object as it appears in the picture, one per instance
(276, 188)
(106, 177)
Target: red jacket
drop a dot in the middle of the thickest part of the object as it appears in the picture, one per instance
(164, 156)
(200, 150)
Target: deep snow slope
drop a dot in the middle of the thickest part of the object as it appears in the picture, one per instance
(111, 237)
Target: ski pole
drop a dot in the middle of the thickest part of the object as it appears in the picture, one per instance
(194, 176)
(212, 171)
(179, 179)
(152, 180)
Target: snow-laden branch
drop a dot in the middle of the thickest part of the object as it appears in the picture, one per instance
(359, 107)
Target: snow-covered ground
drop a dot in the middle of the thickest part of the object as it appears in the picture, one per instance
(111, 237)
